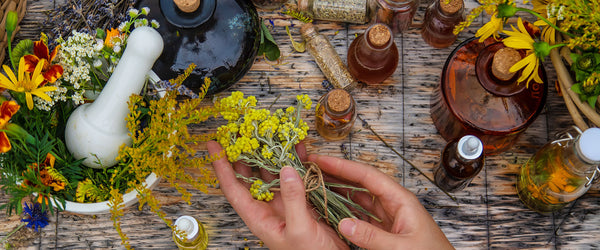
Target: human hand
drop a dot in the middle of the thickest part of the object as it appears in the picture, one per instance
(286, 222)
(405, 222)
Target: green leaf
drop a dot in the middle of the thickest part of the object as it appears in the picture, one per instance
(100, 33)
(592, 101)
(272, 51)
(268, 47)
(577, 88)
(24, 47)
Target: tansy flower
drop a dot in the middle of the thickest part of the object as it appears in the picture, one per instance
(50, 71)
(491, 28)
(26, 84)
(520, 39)
(7, 110)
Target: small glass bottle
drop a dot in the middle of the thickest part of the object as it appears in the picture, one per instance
(335, 114)
(397, 14)
(439, 22)
(373, 56)
(268, 4)
(196, 238)
(327, 58)
(351, 11)
(460, 162)
(561, 171)
(478, 95)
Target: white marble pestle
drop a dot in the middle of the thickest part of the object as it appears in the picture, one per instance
(97, 130)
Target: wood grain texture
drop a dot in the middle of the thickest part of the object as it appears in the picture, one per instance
(487, 214)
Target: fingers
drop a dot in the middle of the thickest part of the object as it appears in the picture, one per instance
(366, 235)
(301, 151)
(293, 195)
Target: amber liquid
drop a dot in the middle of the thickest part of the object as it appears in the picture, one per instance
(454, 173)
(461, 106)
(333, 127)
(369, 66)
(397, 14)
(438, 27)
(547, 181)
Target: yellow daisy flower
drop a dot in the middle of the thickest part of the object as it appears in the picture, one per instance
(26, 84)
(548, 33)
(520, 39)
(493, 27)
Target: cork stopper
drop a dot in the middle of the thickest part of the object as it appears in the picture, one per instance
(338, 100)
(451, 7)
(379, 35)
(303, 5)
(187, 6)
(503, 60)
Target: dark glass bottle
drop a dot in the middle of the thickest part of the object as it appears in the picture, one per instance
(351, 11)
(561, 171)
(221, 37)
(460, 162)
(439, 22)
(373, 56)
(397, 14)
(470, 99)
(335, 114)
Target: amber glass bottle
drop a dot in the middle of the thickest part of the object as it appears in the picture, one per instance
(461, 160)
(221, 37)
(397, 14)
(472, 100)
(439, 22)
(373, 56)
(560, 172)
(335, 114)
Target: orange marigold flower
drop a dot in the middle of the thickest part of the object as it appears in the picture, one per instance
(113, 36)
(7, 110)
(51, 72)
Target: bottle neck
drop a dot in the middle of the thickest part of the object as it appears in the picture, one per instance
(445, 13)
(398, 5)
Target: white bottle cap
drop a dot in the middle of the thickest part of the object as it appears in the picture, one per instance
(589, 145)
(189, 225)
(469, 147)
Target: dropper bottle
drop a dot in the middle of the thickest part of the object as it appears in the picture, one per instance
(460, 162)
(195, 239)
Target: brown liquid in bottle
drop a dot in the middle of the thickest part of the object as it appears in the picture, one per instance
(455, 172)
(373, 56)
(335, 114)
(439, 22)
(497, 113)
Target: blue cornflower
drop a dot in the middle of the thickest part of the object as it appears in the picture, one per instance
(35, 217)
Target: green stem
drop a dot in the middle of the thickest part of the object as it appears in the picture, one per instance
(9, 38)
(12, 232)
(545, 20)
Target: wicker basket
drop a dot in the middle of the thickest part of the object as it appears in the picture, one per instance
(20, 6)
(583, 115)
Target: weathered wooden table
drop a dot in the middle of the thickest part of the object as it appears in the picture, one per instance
(487, 214)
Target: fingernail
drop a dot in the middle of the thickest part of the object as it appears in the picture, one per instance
(288, 174)
(347, 227)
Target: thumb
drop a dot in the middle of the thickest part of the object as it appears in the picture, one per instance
(366, 235)
(293, 196)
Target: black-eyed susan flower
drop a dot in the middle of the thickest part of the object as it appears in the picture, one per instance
(491, 28)
(30, 85)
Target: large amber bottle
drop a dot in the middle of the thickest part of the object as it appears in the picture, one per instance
(221, 37)
(373, 56)
(472, 100)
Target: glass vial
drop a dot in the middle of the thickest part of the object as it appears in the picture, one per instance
(561, 171)
(196, 238)
(268, 4)
(439, 22)
(460, 162)
(351, 11)
(327, 58)
(335, 114)
(397, 14)
(373, 56)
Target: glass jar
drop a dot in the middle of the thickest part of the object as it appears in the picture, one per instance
(470, 99)
(440, 19)
(221, 37)
(373, 56)
(351, 11)
(268, 4)
(561, 171)
(460, 161)
(335, 114)
(196, 237)
(397, 14)
(327, 58)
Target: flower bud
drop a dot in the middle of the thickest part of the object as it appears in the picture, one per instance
(506, 10)
(11, 21)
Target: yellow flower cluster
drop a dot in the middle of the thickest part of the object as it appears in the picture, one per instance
(259, 137)
(260, 192)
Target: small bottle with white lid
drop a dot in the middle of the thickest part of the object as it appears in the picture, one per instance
(195, 239)
(461, 160)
